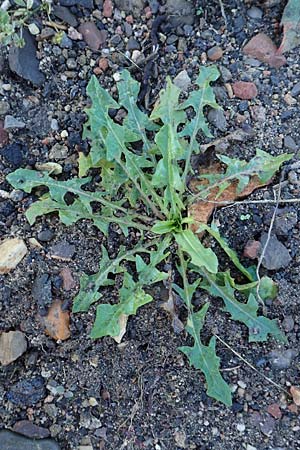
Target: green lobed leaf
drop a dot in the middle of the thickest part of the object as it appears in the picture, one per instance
(132, 297)
(200, 255)
(205, 359)
(167, 108)
(290, 22)
(259, 327)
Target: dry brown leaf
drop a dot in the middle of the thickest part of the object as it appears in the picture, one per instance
(57, 322)
(201, 210)
(295, 393)
(123, 323)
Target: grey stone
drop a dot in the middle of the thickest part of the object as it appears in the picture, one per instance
(63, 251)
(285, 221)
(296, 90)
(182, 80)
(58, 151)
(290, 144)
(217, 118)
(45, 235)
(4, 107)
(276, 254)
(12, 345)
(27, 392)
(225, 73)
(41, 292)
(64, 14)
(133, 44)
(267, 426)
(131, 6)
(29, 429)
(181, 12)
(71, 63)
(282, 359)
(254, 13)
(12, 122)
(23, 61)
(93, 37)
(13, 441)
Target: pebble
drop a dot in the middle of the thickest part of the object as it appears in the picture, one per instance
(254, 13)
(276, 254)
(58, 151)
(29, 429)
(103, 64)
(288, 323)
(12, 122)
(225, 73)
(54, 125)
(182, 80)
(94, 37)
(282, 359)
(14, 441)
(12, 345)
(45, 235)
(4, 138)
(244, 90)
(241, 427)
(133, 44)
(71, 63)
(290, 144)
(4, 107)
(107, 8)
(41, 292)
(275, 411)
(217, 118)
(285, 221)
(12, 251)
(136, 54)
(296, 90)
(262, 48)
(215, 53)
(62, 251)
(267, 426)
(64, 14)
(27, 392)
(23, 61)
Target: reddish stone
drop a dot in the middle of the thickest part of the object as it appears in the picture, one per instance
(244, 90)
(251, 249)
(107, 8)
(262, 48)
(29, 429)
(3, 135)
(68, 280)
(215, 53)
(293, 408)
(103, 64)
(129, 19)
(148, 12)
(275, 411)
(94, 37)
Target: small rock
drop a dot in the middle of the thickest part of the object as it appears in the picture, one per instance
(103, 64)
(74, 34)
(15, 154)
(180, 12)
(14, 441)
(45, 235)
(254, 13)
(41, 292)
(12, 251)
(107, 8)
(64, 14)
(296, 90)
(58, 151)
(258, 113)
(290, 144)
(276, 254)
(215, 53)
(241, 427)
(27, 392)
(3, 134)
(182, 80)
(262, 48)
(133, 44)
(244, 90)
(136, 54)
(252, 249)
(4, 107)
(12, 345)
(29, 429)
(62, 251)
(225, 73)
(275, 411)
(285, 221)
(267, 426)
(217, 118)
(23, 61)
(12, 122)
(94, 37)
(288, 323)
(289, 99)
(295, 392)
(68, 280)
(282, 359)
(57, 322)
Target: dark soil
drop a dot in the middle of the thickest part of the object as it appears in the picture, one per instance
(141, 394)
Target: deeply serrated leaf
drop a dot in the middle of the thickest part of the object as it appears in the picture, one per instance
(132, 297)
(205, 359)
(259, 327)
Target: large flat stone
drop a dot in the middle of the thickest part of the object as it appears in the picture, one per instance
(14, 441)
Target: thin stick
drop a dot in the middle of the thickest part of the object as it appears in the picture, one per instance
(223, 12)
(230, 204)
(251, 366)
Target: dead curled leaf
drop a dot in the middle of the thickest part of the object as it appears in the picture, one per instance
(57, 322)
(295, 393)
(202, 210)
